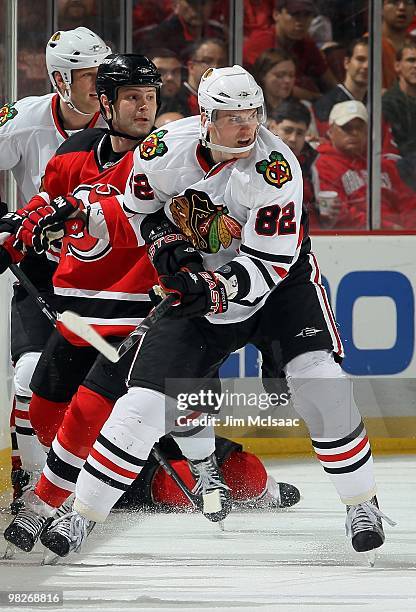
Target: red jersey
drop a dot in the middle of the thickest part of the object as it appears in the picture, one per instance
(348, 176)
(107, 286)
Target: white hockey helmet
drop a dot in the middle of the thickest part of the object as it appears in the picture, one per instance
(72, 50)
(231, 88)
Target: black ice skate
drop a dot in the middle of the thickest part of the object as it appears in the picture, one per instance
(25, 529)
(215, 495)
(67, 533)
(365, 527)
(22, 481)
(276, 495)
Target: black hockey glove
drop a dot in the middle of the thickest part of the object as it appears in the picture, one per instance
(9, 225)
(198, 294)
(3, 208)
(9, 254)
(168, 249)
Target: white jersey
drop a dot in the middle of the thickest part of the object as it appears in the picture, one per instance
(247, 210)
(30, 133)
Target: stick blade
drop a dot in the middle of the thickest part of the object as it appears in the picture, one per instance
(78, 326)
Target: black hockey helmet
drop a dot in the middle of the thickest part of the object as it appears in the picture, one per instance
(121, 69)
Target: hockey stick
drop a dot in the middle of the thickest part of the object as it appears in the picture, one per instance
(164, 463)
(71, 320)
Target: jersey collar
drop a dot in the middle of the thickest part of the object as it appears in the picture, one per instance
(57, 119)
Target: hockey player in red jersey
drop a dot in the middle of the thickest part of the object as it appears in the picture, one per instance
(261, 279)
(31, 130)
(108, 287)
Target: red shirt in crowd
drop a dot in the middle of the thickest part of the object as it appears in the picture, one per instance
(348, 176)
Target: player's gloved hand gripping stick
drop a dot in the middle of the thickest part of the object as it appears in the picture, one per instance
(78, 326)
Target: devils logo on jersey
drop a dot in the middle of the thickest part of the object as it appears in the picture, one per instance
(82, 245)
(208, 226)
(275, 170)
(153, 145)
(7, 112)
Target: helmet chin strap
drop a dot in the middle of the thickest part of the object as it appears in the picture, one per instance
(217, 147)
(114, 132)
(66, 98)
(224, 149)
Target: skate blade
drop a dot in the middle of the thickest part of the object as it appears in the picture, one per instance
(211, 502)
(9, 552)
(50, 558)
(371, 557)
(221, 525)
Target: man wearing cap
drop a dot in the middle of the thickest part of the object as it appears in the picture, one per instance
(290, 32)
(342, 167)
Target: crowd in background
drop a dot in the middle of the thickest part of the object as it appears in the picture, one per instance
(311, 59)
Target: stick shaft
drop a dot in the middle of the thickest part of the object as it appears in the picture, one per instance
(34, 293)
(161, 459)
(153, 317)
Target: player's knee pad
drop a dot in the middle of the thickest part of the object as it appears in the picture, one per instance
(46, 417)
(137, 421)
(23, 372)
(82, 422)
(246, 476)
(322, 394)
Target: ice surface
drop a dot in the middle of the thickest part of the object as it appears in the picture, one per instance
(293, 560)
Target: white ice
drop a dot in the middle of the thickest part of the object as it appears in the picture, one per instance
(294, 560)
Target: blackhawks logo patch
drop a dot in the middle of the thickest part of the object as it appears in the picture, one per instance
(7, 112)
(153, 145)
(207, 225)
(275, 170)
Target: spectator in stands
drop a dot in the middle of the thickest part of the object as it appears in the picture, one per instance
(75, 13)
(258, 15)
(275, 72)
(170, 68)
(342, 168)
(147, 14)
(291, 122)
(399, 102)
(165, 118)
(208, 53)
(354, 86)
(31, 71)
(189, 23)
(397, 16)
(290, 32)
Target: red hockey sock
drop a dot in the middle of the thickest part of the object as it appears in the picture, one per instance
(243, 472)
(46, 417)
(87, 413)
(80, 427)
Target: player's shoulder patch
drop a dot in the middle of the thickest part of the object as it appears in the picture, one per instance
(7, 112)
(153, 145)
(276, 170)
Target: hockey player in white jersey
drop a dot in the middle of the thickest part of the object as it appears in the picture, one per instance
(30, 132)
(261, 281)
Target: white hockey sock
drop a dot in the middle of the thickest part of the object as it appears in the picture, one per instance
(32, 454)
(196, 442)
(120, 451)
(323, 397)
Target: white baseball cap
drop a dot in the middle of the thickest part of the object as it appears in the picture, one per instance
(343, 112)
